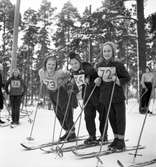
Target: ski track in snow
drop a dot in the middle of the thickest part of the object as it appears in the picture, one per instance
(13, 155)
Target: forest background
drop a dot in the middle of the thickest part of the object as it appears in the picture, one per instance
(44, 32)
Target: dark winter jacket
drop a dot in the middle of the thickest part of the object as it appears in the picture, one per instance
(106, 87)
(91, 74)
(17, 86)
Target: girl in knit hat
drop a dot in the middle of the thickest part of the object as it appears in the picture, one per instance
(110, 71)
(84, 74)
(55, 81)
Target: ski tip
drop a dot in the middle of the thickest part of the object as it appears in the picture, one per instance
(25, 147)
(99, 160)
(119, 163)
(74, 151)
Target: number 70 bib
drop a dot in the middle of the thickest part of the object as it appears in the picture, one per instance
(106, 73)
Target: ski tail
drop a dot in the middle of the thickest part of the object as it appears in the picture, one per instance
(140, 164)
(120, 164)
(102, 153)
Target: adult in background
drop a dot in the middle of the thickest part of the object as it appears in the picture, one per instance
(1, 94)
(147, 83)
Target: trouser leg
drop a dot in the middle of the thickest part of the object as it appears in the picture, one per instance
(90, 114)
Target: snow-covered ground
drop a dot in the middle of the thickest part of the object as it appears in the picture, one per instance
(13, 155)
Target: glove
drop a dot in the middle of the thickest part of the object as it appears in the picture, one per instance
(87, 81)
(144, 87)
(116, 80)
(97, 81)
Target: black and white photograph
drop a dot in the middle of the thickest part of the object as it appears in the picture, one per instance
(77, 83)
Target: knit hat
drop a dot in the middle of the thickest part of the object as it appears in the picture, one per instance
(73, 55)
(112, 45)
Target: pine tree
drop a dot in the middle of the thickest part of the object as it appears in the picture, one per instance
(65, 37)
(6, 29)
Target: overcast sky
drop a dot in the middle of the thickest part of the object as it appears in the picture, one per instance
(150, 5)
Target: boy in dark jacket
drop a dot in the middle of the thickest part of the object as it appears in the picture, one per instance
(110, 71)
(16, 92)
(84, 75)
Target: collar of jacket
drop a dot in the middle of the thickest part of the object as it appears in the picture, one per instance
(106, 63)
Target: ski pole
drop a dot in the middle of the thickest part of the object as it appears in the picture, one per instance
(141, 132)
(64, 115)
(67, 107)
(8, 109)
(105, 126)
(30, 135)
(27, 113)
(57, 102)
(82, 107)
(144, 93)
(139, 99)
(29, 119)
(22, 101)
(59, 149)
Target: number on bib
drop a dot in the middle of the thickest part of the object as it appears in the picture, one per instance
(79, 79)
(15, 84)
(51, 84)
(106, 73)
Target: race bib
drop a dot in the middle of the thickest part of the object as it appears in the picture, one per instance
(79, 79)
(15, 84)
(106, 73)
(51, 84)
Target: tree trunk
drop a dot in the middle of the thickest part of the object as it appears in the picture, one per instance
(141, 41)
(141, 36)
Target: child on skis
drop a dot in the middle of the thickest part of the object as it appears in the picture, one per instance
(147, 83)
(55, 81)
(111, 71)
(16, 88)
(84, 74)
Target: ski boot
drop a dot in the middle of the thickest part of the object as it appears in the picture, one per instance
(120, 145)
(105, 140)
(91, 140)
(63, 137)
(1, 122)
(113, 144)
(71, 136)
(68, 137)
